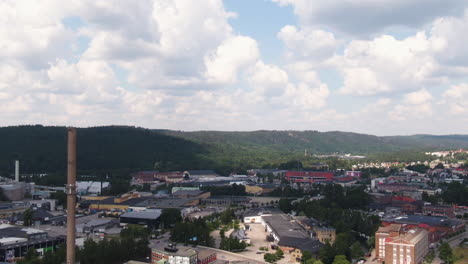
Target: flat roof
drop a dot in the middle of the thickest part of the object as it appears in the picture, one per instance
(183, 251)
(429, 220)
(285, 226)
(152, 214)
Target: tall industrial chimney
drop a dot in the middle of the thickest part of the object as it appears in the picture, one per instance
(71, 195)
(17, 171)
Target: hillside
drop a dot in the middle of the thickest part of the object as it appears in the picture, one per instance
(43, 149)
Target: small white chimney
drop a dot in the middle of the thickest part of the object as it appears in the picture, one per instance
(17, 171)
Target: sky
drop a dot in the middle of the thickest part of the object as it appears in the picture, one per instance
(382, 67)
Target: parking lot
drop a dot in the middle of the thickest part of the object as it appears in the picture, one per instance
(257, 237)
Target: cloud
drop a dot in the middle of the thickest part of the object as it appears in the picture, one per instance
(307, 43)
(457, 99)
(364, 18)
(233, 54)
(385, 64)
(182, 64)
(268, 80)
(32, 33)
(448, 44)
(416, 105)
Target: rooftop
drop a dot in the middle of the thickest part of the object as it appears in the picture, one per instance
(422, 219)
(147, 214)
(184, 251)
(285, 227)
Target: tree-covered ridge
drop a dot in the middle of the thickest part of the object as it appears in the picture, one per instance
(43, 149)
(325, 142)
(101, 149)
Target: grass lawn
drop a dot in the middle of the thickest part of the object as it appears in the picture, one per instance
(461, 255)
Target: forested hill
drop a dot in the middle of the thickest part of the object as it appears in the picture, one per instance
(115, 147)
(325, 142)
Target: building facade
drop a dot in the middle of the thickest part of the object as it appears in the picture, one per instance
(308, 176)
(397, 245)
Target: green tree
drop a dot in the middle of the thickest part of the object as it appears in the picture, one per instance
(439, 166)
(342, 244)
(421, 168)
(356, 250)
(306, 255)
(28, 217)
(232, 244)
(270, 257)
(227, 216)
(285, 205)
(445, 253)
(3, 197)
(134, 232)
(340, 259)
(327, 253)
(61, 198)
(31, 257)
(279, 253)
(169, 217)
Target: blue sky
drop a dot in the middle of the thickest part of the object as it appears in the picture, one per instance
(384, 68)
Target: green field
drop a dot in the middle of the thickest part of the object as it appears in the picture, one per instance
(461, 255)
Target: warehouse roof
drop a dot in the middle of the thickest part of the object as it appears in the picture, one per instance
(148, 214)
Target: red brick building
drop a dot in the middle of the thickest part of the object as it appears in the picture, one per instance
(308, 176)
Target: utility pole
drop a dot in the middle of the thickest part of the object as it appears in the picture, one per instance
(71, 195)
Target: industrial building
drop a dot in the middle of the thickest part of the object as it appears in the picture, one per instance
(91, 187)
(290, 236)
(148, 218)
(15, 241)
(16, 191)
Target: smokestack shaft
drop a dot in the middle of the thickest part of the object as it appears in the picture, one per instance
(71, 195)
(17, 171)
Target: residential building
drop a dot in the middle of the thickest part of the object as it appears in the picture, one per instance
(438, 227)
(438, 210)
(397, 245)
(321, 232)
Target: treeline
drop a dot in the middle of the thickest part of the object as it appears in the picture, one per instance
(195, 232)
(233, 189)
(116, 149)
(456, 193)
(99, 149)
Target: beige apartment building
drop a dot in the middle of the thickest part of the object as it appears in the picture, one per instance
(396, 245)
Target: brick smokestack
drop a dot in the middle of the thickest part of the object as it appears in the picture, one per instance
(71, 195)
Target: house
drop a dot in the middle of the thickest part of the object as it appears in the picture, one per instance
(241, 235)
